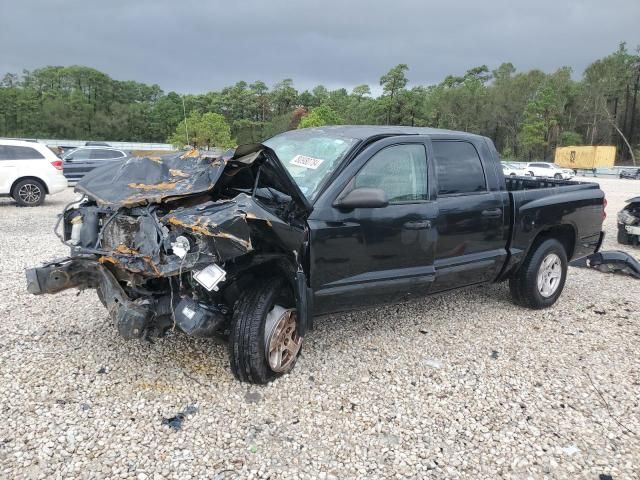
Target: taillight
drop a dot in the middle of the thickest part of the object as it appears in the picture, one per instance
(604, 209)
(57, 164)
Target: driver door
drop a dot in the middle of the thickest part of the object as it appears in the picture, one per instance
(366, 255)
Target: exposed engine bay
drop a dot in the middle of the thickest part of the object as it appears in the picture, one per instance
(629, 223)
(170, 242)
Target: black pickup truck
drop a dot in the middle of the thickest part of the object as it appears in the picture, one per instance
(253, 244)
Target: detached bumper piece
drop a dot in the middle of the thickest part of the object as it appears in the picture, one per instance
(131, 317)
(134, 318)
(610, 261)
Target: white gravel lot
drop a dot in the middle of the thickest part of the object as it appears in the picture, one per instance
(464, 385)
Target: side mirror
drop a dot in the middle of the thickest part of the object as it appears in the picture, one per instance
(363, 198)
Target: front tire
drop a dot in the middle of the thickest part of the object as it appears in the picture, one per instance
(264, 344)
(558, 176)
(29, 193)
(539, 281)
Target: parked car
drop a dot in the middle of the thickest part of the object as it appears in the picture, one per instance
(28, 172)
(633, 173)
(549, 170)
(629, 223)
(514, 169)
(80, 161)
(62, 150)
(313, 221)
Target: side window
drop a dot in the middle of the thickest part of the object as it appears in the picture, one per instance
(114, 154)
(3, 153)
(79, 154)
(458, 168)
(399, 170)
(22, 153)
(100, 154)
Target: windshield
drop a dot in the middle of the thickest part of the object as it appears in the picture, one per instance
(310, 156)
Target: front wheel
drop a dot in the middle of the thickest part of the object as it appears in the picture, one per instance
(29, 193)
(264, 341)
(539, 281)
(558, 176)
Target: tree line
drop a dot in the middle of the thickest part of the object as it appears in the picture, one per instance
(527, 114)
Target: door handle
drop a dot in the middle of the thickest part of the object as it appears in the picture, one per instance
(492, 212)
(417, 225)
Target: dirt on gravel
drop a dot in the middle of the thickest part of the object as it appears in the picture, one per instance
(463, 385)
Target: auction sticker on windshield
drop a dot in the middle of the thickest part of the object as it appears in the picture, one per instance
(307, 162)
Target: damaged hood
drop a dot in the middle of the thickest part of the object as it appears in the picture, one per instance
(140, 180)
(146, 180)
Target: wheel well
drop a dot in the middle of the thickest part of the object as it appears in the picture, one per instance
(28, 177)
(565, 234)
(257, 272)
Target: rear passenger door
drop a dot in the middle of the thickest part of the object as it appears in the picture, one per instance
(472, 222)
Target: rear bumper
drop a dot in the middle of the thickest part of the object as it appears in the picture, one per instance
(130, 317)
(57, 184)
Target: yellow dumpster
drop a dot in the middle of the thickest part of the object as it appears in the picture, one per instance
(585, 157)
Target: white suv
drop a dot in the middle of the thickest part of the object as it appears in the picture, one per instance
(548, 170)
(28, 172)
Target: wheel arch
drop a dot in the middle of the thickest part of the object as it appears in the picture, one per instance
(564, 233)
(259, 267)
(29, 177)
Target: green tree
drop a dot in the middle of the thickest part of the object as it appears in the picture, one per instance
(204, 130)
(320, 116)
(540, 116)
(392, 83)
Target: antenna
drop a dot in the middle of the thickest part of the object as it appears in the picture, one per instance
(184, 112)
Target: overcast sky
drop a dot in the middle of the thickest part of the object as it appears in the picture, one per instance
(194, 46)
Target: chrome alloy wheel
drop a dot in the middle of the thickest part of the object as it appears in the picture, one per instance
(549, 275)
(282, 342)
(30, 193)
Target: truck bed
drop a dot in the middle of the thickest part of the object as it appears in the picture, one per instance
(515, 184)
(539, 204)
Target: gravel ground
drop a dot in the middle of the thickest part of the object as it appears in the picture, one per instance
(460, 385)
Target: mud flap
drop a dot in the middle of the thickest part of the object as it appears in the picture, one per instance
(610, 261)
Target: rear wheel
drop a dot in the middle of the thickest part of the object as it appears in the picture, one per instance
(264, 341)
(531, 174)
(623, 237)
(540, 280)
(29, 193)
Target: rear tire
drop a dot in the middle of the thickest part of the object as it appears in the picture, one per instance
(539, 281)
(247, 342)
(29, 193)
(623, 237)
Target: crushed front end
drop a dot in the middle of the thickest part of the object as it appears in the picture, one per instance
(629, 223)
(170, 242)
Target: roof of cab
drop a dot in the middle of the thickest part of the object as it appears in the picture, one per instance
(363, 132)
